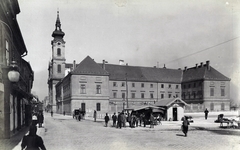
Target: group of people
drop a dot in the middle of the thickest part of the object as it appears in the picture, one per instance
(32, 141)
(133, 119)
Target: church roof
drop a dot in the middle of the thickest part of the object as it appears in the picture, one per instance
(89, 67)
(203, 73)
(146, 74)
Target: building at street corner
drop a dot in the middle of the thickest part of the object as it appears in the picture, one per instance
(111, 88)
(16, 74)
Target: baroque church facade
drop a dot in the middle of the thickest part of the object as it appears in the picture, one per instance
(112, 87)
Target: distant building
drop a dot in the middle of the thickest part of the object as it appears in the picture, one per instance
(111, 87)
(205, 87)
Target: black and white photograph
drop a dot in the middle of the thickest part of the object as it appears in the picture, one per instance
(119, 74)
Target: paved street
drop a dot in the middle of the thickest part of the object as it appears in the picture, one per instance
(65, 133)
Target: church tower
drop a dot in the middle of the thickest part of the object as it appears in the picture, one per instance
(56, 68)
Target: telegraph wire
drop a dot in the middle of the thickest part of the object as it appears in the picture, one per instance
(202, 50)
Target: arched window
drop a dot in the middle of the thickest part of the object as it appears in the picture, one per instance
(59, 68)
(222, 106)
(59, 51)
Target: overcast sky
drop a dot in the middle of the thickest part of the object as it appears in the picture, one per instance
(140, 32)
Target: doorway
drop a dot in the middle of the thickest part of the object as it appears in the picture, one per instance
(175, 114)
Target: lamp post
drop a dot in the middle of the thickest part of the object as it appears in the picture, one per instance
(127, 92)
(13, 74)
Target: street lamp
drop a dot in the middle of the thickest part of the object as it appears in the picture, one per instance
(13, 74)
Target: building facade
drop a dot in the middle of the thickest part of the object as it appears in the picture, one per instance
(111, 88)
(15, 97)
(205, 87)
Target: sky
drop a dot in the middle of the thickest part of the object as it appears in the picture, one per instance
(140, 32)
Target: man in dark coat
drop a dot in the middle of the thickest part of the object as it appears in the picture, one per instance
(40, 119)
(32, 141)
(185, 124)
(120, 118)
(106, 118)
(114, 118)
(206, 113)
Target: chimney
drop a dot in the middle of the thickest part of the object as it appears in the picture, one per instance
(196, 66)
(164, 66)
(208, 65)
(103, 64)
(185, 69)
(121, 62)
(201, 64)
(74, 64)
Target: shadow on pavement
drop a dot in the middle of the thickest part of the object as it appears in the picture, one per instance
(180, 135)
(8, 144)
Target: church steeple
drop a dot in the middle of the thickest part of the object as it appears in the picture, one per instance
(58, 31)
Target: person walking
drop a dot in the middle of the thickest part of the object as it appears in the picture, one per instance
(40, 119)
(119, 118)
(106, 118)
(185, 124)
(206, 113)
(151, 121)
(51, 113)
(114, 118)
(95, 115)
(32, 141)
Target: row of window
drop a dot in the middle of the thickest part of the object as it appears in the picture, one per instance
(83, 89)
(123, 84)
(222, 91)
(199, 94)
(133, 95)
(190, 85)
(98, 106)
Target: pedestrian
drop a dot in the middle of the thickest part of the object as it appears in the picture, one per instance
(79, 116)
(32, 141)
(206, 113)
(141, 119)
(119, 118)
(151, 121)
(114, 118)
(124, 119)
(106, 118)
(130, 120)
(63, 113)
(51, 113)
(40, 119)
(95, 115)
(185, 124)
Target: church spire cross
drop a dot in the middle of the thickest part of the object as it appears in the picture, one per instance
(58, 23)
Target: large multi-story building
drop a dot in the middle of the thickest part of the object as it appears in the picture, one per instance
(110, 88)
(15, 98)
(205, 87)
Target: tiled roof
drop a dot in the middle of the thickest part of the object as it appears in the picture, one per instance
(146, 74)
(89, 67)
(203, 73)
